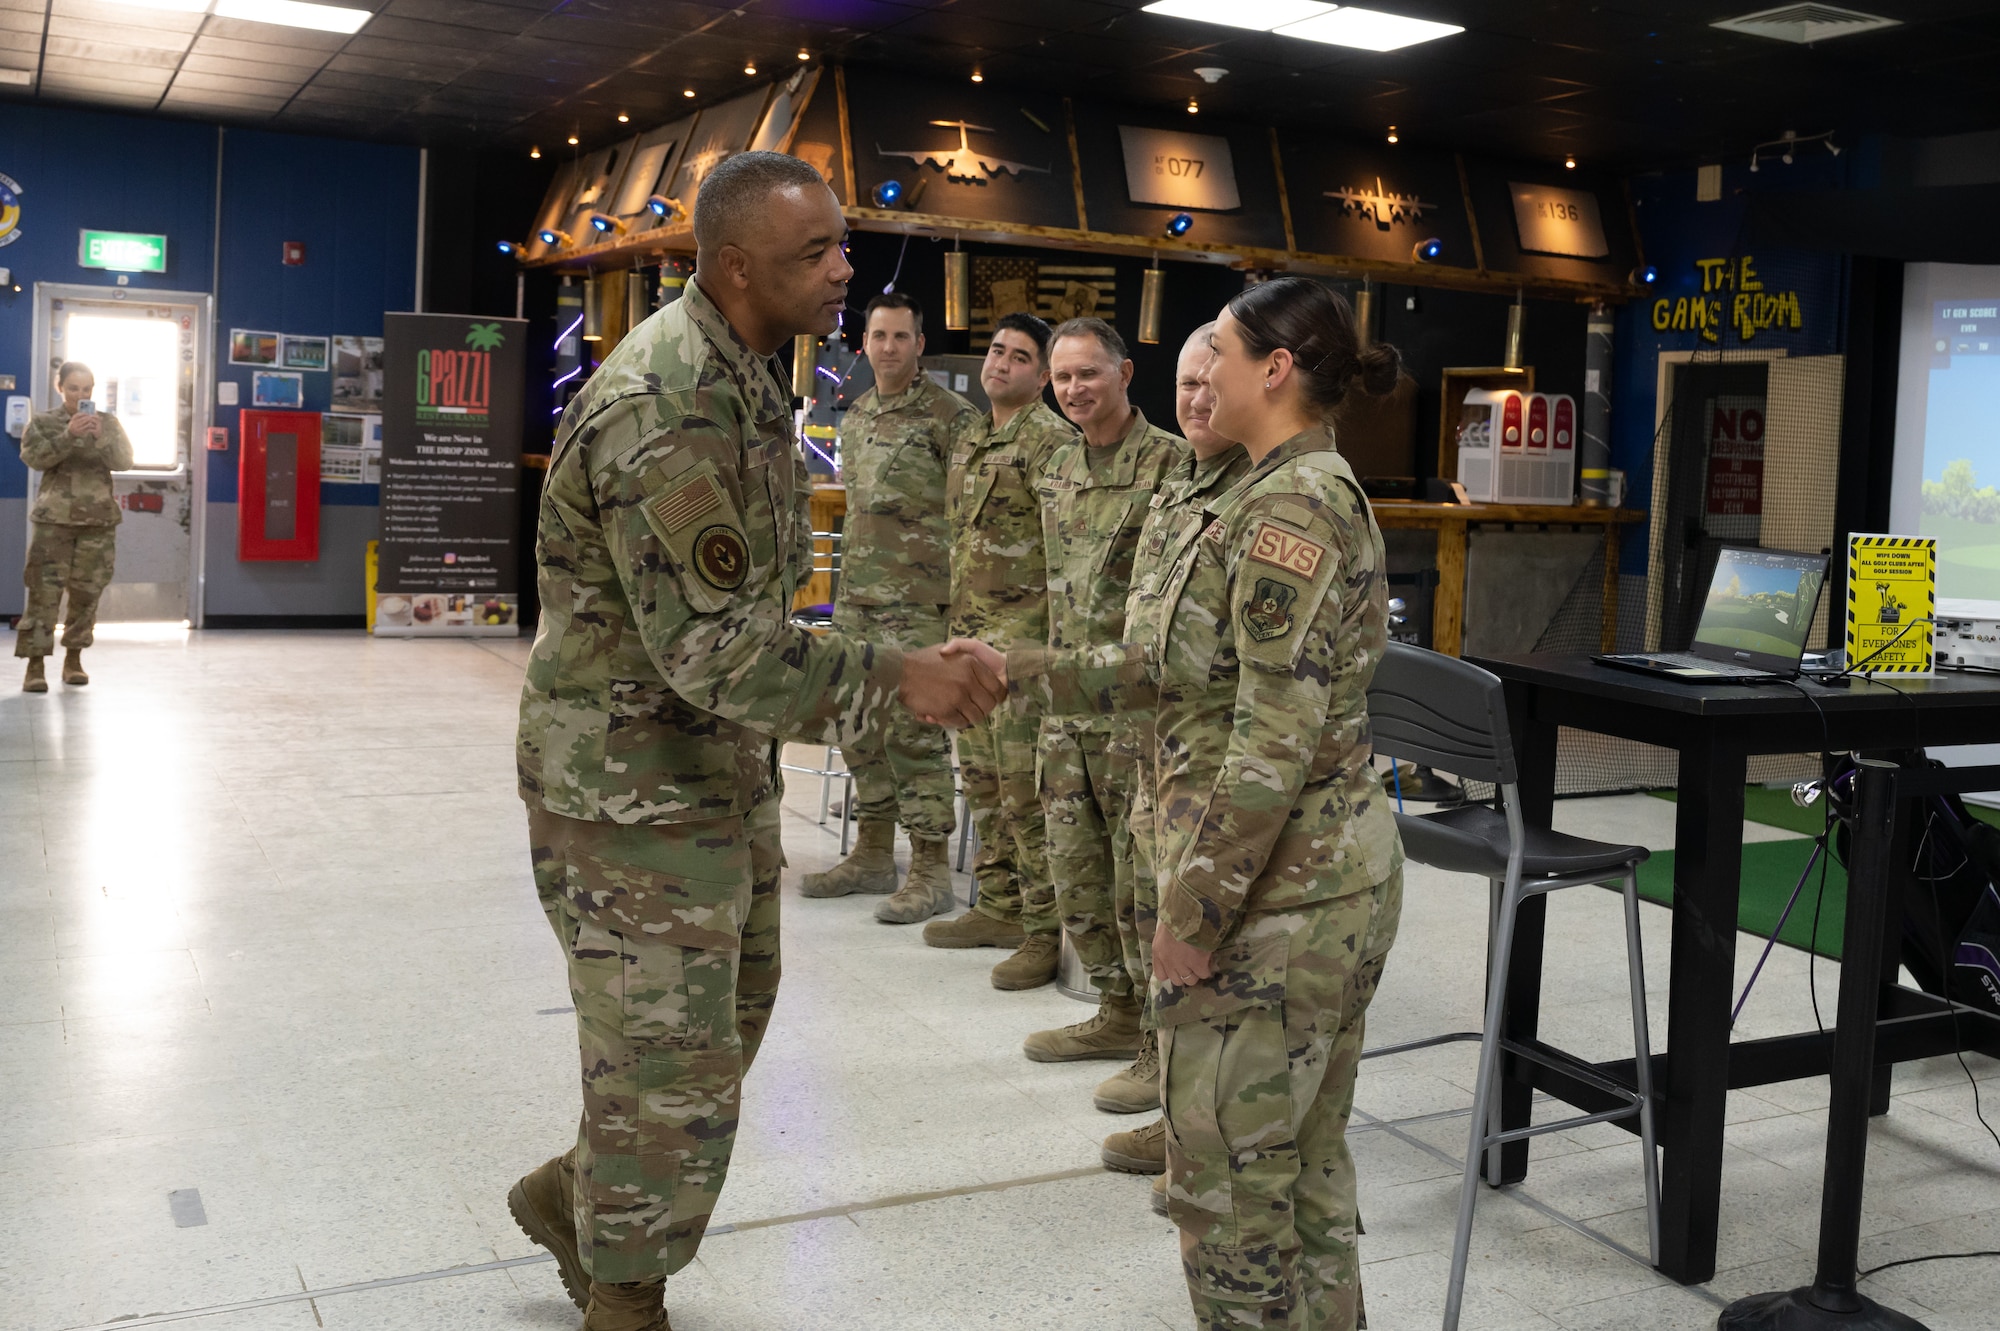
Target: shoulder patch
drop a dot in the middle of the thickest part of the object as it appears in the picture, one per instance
(1294, 552)
(721, 557)
(686, 504)
(1269, 613)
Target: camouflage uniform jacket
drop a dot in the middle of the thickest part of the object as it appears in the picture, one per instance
(999, 572)
(897, 544)
(76, 473)
(1257, 651)
(672, 535)
(1094, 505)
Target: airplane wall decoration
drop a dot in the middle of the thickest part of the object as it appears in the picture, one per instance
(962, 163)
(1384, 207)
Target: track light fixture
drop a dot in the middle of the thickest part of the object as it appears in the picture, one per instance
(660, 206)
(1786, 145)
(513, 249)
(1180, 224)
(606, 224)
(1643, 276)
(887, 194)
(550, 236)
(1426, 251)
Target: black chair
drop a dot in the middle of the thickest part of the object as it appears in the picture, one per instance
(1448, 714)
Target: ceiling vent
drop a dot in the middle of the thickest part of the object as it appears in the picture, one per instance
(1805, 24)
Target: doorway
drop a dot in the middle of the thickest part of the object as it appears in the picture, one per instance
(148, 351)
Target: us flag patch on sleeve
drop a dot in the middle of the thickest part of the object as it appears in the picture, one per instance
(695, 499)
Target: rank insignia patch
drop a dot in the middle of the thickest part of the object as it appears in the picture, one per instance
(1269, 613)
(721, 558)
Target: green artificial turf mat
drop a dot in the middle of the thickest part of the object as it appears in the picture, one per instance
(1770, 872)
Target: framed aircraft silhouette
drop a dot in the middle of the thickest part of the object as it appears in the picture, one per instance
(963, 163)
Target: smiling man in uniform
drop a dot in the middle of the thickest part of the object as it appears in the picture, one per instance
(672, 537)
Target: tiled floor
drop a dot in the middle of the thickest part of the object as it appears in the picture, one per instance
(266, 932)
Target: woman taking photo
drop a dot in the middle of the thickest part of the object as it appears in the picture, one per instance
(1279, 868)
(75, 521)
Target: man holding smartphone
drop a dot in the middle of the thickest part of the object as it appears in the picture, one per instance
(75, 524)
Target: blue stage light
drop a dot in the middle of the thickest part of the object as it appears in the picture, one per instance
(888, 193)
(1424, 251)
(1646, 275)
(507, 247)
(1180, 224)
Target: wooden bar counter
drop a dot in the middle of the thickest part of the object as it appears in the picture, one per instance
(1450, 522)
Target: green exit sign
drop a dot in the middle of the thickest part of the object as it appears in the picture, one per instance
(122, 251)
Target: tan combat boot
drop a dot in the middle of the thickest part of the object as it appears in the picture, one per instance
(73, 667)
(926, 891)
(35, 681)
(543, 1203)
(635, 1307)
(870, 867)
(1140, 1151)
(1160, 1194)
(1032, 965)
(1136, 1089)
(1112, 1033)
(975, 928)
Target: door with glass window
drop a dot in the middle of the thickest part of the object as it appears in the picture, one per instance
(147, 352)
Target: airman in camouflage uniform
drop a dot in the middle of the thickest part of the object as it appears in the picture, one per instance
(999, 586)
(673, 534)
(74, 526)
(1278, 865)
(895, 582)
(1094, 503)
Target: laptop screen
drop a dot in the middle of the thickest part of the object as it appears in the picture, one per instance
(1760, 607)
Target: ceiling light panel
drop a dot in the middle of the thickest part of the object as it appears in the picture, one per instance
(295, 14)
(1367, 29)
(1263, 15)
(177, 6)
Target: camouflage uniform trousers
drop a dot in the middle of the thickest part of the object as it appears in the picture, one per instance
(911, 783)
(1257, 1098)
(1011, 871)
(1136, 896)
(63, 558)
(1086, 777)
(671, 934)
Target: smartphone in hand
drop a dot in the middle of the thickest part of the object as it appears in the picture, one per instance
(86, 408)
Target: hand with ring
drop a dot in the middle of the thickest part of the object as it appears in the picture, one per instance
(1179, 963)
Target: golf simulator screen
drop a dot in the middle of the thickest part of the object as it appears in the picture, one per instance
(1948, 429)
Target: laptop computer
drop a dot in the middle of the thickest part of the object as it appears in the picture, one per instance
(1753, 625)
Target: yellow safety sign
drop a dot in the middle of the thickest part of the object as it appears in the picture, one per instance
(1891, 604)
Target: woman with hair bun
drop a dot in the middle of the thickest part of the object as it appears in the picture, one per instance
(1279, 868)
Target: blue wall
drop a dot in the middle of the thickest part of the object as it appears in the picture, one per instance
(1677, 233)
(354, 205)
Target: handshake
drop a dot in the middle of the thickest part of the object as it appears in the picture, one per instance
(954, 685)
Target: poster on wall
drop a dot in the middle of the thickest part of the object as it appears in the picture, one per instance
(302, 353)
(279, 389)
(451, 475)
(249, 347)
(357, 374)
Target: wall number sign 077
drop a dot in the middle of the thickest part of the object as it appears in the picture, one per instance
(1188, 167)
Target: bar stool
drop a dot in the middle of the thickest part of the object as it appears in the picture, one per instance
(1451, 715)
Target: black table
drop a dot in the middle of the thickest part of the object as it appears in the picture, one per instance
(1715, 729)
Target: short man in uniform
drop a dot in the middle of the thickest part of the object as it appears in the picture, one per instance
(999, 593)
(1094, 503)
(1197, 483)
(895, 582)
(673, 534)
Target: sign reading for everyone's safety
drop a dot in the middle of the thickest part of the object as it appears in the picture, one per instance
(1175, 169)
(1891, 604)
